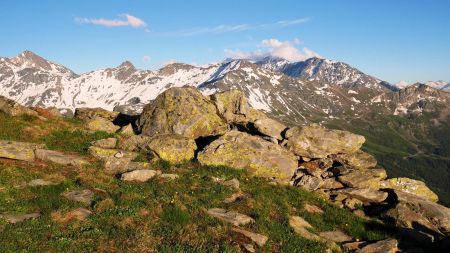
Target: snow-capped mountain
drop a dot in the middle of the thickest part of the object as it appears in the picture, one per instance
(440, 85)
(325, 71)
(313, 90)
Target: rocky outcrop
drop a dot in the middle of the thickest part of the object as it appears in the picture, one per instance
(182, 111)
(12, 108)
(314, 141)
(85, 114)
(244, 151)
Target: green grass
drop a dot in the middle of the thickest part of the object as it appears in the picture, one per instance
(74, 141)
(164, 216)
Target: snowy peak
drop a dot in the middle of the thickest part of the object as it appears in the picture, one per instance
(273, 63)
(28, 59)
(439, 85)
(401, 84)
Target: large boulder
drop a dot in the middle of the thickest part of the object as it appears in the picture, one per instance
(172, 148)
(183, 111)
(411, 186)
(233, 106)
(23, 151)
(91, 113)
(270, 127)
(314, 141)
(11, 108)
(243, 151)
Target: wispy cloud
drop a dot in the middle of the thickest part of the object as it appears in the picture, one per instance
(273, 47)
(224, 28)
(125, 20)
(146, 58)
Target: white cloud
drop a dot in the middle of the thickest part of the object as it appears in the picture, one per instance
(224, 28)
(146, 58)
(276, 48)
(126, 20)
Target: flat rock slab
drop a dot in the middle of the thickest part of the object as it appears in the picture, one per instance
(232, 217)
(366, 195)
(16, 218)
(169, 176)
(139, 175)
(385, 246)
(336, 236)
(301, 227)
(59, 157)
(40, 182)
(83, 196)
(259, 239)
(23, 151)
(312, 208)
(236, 196)
(105, 143)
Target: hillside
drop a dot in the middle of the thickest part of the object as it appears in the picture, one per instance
(406, 128)
(184, 178)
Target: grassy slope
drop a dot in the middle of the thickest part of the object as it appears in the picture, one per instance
(157, 216)
(408, 147)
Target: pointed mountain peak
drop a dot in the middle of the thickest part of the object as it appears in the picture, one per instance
(127, 64)
(401, 84)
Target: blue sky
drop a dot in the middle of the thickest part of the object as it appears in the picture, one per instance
(392, 40)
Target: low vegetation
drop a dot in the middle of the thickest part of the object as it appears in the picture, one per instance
(160, 215)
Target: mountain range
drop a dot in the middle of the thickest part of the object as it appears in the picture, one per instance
(407, 126)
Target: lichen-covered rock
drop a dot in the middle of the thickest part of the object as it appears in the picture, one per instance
(314, 141)
(23, 151)
(309, 183)
(411, 186)
(363, 179)
(116, 161)
(91, 113)
(59, 157)
(172, 148)
(127, 130)
(133, 143)
(183, 111)
(233, 106)
(317, 167)
(12, 108)
(357, 160)
(366, 195)
(101, 124)
(243, 151)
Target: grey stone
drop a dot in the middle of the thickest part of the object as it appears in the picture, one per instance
(232, 217)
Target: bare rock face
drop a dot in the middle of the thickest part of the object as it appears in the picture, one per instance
(172, 148)
(11, 108)
(233, 106)
(105, 143)
(314, 141)
(243, 151)
(183, 111)
(411, 186)
(357, 160)
(91, 113)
